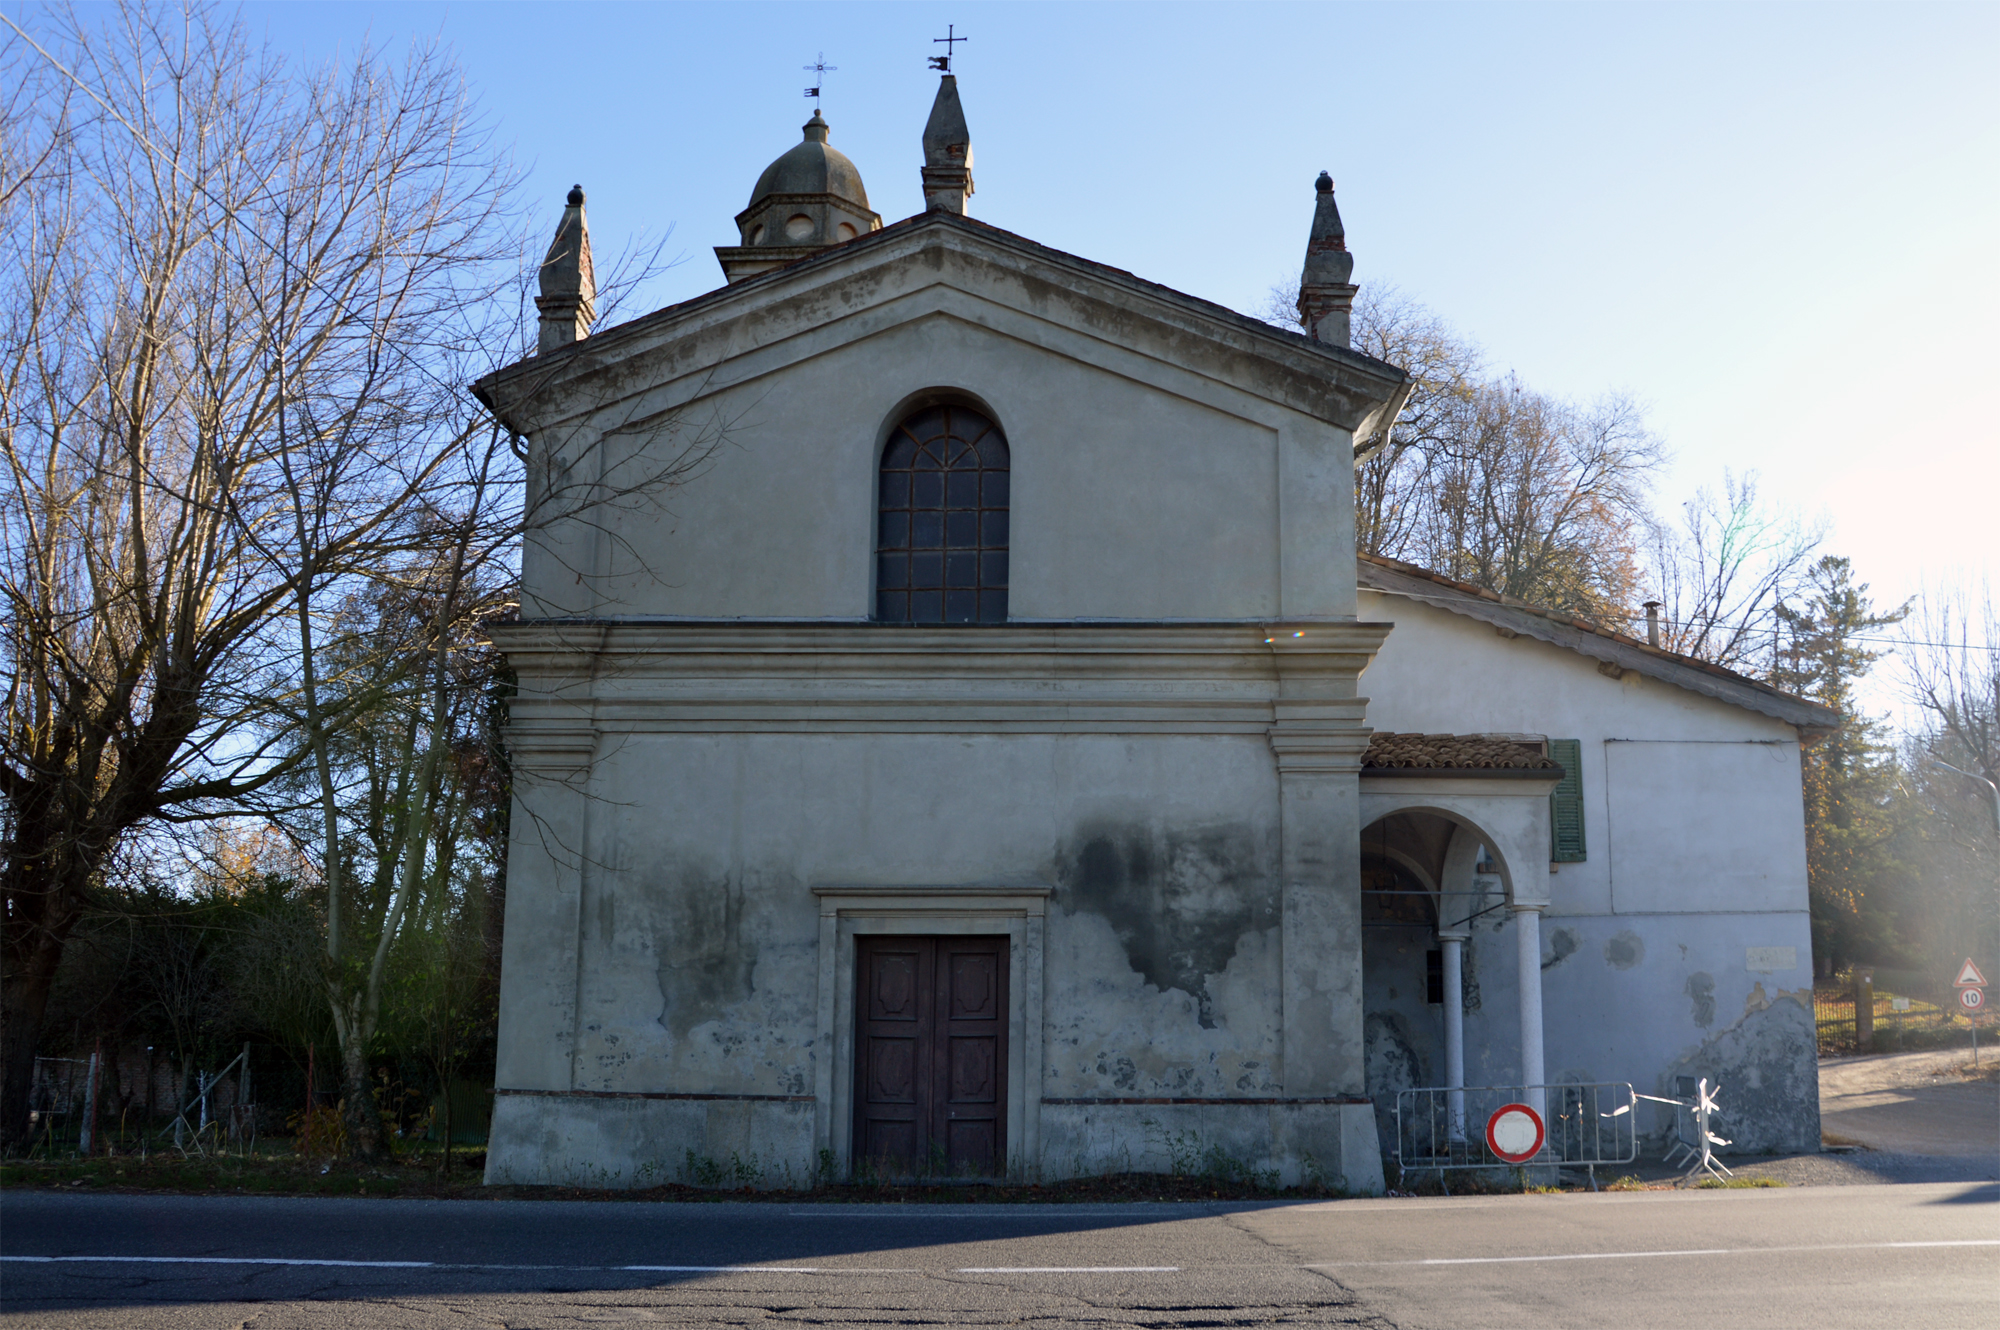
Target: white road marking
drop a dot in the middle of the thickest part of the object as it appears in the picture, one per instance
(734, 1269)
(322, 1262)
(1644, 1255)
(1066, 1269)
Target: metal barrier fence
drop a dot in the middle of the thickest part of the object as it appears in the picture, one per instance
(1587, 1125)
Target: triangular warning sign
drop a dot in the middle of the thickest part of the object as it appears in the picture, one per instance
(1969, 976)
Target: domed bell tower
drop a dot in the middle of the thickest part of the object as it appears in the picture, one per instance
(808, 200)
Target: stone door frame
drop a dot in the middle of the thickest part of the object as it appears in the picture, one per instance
(1020, 913)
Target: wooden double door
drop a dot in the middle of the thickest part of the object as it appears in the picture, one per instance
(930, 1056)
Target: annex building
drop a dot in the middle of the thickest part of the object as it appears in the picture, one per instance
(991, 757)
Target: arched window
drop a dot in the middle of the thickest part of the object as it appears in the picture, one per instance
(941, 538)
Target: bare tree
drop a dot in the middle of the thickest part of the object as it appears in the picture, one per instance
(242, 308)
(219, 278)
(1491, 482)
(1540, 499)
(1723, 573)
(1951, 674)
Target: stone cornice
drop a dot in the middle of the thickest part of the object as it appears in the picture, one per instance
(693, 341)
(1299, 651)
(1292, 679)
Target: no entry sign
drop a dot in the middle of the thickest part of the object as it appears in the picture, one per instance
(1515, 1133)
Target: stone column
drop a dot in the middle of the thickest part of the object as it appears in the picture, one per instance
(1528, 939)
(1453, 945)
(1455, 906)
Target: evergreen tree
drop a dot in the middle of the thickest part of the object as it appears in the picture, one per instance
(1850, 774)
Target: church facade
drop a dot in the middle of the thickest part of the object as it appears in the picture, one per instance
(989, 757)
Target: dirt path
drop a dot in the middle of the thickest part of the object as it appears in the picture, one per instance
(1898, 1117)
(1910, 1103)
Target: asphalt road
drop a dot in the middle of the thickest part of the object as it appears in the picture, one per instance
(1912, 1103)
(1905, 1256)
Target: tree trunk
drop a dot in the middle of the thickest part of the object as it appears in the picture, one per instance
(366, 1138)
(32, 956)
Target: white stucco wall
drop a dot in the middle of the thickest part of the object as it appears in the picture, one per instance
(1695, 871)
(1157, 474)
(701, 792)
(698, 963)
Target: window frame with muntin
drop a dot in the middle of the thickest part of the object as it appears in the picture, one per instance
(942, 513)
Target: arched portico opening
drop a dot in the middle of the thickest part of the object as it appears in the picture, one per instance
(1429, 880)
(1454, 870)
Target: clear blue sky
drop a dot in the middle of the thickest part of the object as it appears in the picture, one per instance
(1775, 225)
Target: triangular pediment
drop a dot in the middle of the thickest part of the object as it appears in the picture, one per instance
(941, 266)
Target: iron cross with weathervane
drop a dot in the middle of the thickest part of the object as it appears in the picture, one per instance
(951, 39)
(819, 69)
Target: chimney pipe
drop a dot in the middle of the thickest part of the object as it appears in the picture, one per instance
(1652, 623)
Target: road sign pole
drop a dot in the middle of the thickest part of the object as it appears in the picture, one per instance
(1971, 986)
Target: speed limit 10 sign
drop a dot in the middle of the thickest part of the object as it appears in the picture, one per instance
(1972, 999)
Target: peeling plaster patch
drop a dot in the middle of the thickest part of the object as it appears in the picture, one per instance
(1701, 988)
(1109, 1032)
(1624, 950)
(1391, 1063)
(1769, 1074)
(1562, 945)
(1179, 901)
(1756, 1002)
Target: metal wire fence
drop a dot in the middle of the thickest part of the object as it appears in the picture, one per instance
(1908, 1010)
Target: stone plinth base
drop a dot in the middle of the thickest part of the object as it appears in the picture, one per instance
(581, 1140)
(584, 1140)
(1288, 1144)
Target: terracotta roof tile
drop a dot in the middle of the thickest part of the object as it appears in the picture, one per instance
(1455, 752)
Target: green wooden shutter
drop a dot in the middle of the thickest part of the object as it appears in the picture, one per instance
(1566, 804)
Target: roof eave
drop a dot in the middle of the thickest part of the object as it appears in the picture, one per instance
(497, 386)
(1601, 644)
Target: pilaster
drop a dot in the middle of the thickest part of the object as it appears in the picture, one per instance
(1317, 738)
(540, 949)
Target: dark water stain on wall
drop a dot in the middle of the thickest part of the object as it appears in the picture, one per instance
(1562, 946)
(706, 959)
(1701, 990)
(1624, 950)
(1179, 901)
(1468, 965)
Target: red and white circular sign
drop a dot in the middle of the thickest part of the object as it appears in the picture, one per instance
(1515, 1133)
(1972, 999)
